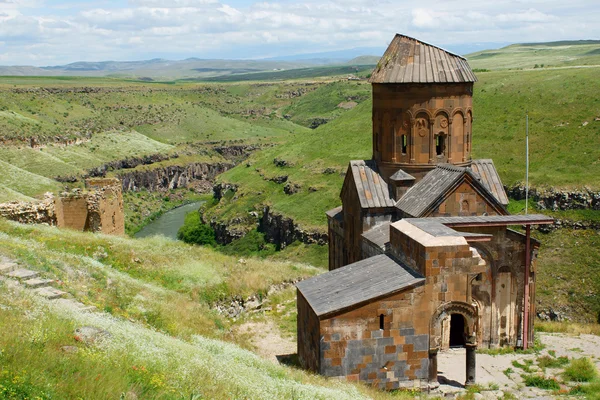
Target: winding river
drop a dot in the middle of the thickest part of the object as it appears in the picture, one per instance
(169, 223)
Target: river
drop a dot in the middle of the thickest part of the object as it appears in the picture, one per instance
(169, 223)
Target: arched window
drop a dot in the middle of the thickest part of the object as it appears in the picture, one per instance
(440, 144)
(404, 144)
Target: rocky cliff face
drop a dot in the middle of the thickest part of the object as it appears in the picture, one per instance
(557, 199)
(172, 176)
(282, 231)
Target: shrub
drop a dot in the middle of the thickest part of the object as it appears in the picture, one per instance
(541, 382)
(195, 232)
(252, 244)
(581, 370)
(549, 362)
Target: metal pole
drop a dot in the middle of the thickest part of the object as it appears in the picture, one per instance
(526, 288)
(526, 161)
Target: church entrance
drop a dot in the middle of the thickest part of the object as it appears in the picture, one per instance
(457, 330)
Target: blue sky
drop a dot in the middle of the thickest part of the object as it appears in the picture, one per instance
(51, 32)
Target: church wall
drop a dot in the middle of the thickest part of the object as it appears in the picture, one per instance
(337, 250)
(416, 114)
(309, 351)
(353, 344)
(464, 201)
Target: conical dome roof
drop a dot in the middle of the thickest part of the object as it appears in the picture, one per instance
(408, 60)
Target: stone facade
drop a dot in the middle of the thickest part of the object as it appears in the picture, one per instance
(421, 256)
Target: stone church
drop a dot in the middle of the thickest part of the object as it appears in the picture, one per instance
(422, 256)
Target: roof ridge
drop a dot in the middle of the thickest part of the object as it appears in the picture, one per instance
(432, 45)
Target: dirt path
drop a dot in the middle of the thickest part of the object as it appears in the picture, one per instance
(499, 373)
(267, 339)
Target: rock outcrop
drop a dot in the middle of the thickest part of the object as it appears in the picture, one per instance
(172, 176)
(557, 199)
(282, 231)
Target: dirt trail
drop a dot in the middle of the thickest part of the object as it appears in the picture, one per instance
(267, 339)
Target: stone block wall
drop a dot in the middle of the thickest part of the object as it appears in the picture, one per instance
(354, 345)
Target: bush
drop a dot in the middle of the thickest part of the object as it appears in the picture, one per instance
(581, 370)
(195, 232)
(252, 244)
(541, 382)
(549, 362)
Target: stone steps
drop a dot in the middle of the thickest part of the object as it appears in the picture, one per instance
(49, 292)
(7, 266)
(76, 304)
(41, 286)
(37, 282)
(22, 274)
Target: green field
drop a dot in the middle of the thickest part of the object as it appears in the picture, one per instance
(584, 53)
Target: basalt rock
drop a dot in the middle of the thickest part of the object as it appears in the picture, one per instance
(172, 176)
(282, 231)
(219, 189)
(557, 199)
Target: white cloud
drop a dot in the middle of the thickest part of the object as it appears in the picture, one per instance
(185, 28)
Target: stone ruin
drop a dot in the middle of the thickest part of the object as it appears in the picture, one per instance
(98, 208)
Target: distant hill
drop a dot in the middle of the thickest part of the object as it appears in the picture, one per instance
(364, 60)
(155, 68)
(538, 55)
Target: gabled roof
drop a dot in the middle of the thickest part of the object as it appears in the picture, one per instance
(435, 185)
(400, 175)
(372, 190)
(408, 60)
(486, 170)
(378, 235)
(356, 284)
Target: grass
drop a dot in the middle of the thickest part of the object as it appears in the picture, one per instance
(567, 327)
(163, 283)
(568, 275)
(134, 362)
(551, 362)
(581, 370)
(537, 55)
(541, 382)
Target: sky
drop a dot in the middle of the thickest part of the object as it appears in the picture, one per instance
(54, 32)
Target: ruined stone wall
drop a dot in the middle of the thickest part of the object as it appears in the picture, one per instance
(39, 212)
(105, 206)
(99, 209)
(72, 211)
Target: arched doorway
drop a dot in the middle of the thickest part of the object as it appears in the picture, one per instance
(457, 330)
(463, 332)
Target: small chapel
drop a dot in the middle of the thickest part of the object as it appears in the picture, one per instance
(423, 254)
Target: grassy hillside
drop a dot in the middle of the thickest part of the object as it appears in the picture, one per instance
(538, 55)
(153, 298)
(68, 126)
(564, 141)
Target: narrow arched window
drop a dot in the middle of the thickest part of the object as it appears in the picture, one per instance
(440, 145)
(404, 143)
(381, 321)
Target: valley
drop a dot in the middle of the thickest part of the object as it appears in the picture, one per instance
(263, 156)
